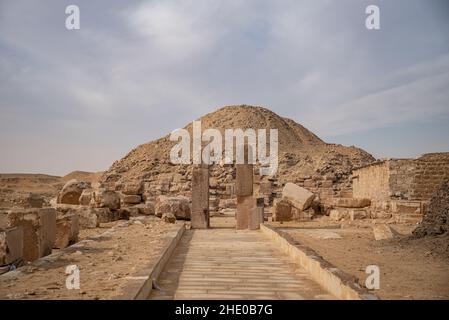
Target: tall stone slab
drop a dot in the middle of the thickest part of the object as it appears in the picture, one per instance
(257, 215)
(200, 198)
(245, 205)
(244, 180)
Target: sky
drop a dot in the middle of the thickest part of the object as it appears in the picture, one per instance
(136, 70)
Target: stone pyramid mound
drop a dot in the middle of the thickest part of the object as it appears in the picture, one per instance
(303, 157)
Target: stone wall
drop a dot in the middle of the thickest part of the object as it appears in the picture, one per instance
(402, 179)
(401, 174)
(431, 171)
(372, 182)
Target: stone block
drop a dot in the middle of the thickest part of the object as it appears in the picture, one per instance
(106, 199)
(67, 230)
(132, 188)
(244, 207)
(244, 180)
(351, 202)
(39, 230)
(131, 199)
(146, 209)
(88, 218)
(11, 245)
(256, 215)
(200, 198)
(299, 197)
(105, 215)
(282, 210)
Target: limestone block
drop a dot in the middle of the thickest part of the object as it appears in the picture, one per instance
(282, 210)
(106, 199)
(11, 245)
(256, 215)
(244, 207)
(39, 230)
(105, 215)
(131, 199)
(146, 209)
(299, 197)
(132, 188)
(352, 202)
(88, 218)
(67, 230)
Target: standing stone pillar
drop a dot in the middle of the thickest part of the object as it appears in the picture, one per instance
(244, 192)
(257, 214)
(200, 198)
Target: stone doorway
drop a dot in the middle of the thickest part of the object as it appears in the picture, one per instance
(249, 212)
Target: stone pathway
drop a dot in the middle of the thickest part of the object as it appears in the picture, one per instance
(222, 263)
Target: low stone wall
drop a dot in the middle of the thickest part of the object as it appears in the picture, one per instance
(335, 281)
(141, 284)
(402, 179)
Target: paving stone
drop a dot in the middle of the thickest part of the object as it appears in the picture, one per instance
(225, 264)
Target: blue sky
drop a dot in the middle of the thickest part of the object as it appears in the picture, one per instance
(136, 70)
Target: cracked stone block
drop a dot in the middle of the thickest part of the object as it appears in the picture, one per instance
(39, 230)
(67, 229)
(11, 245)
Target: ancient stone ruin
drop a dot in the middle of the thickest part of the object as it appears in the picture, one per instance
(316, 181)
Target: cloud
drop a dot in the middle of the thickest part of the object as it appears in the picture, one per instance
(138, 69)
